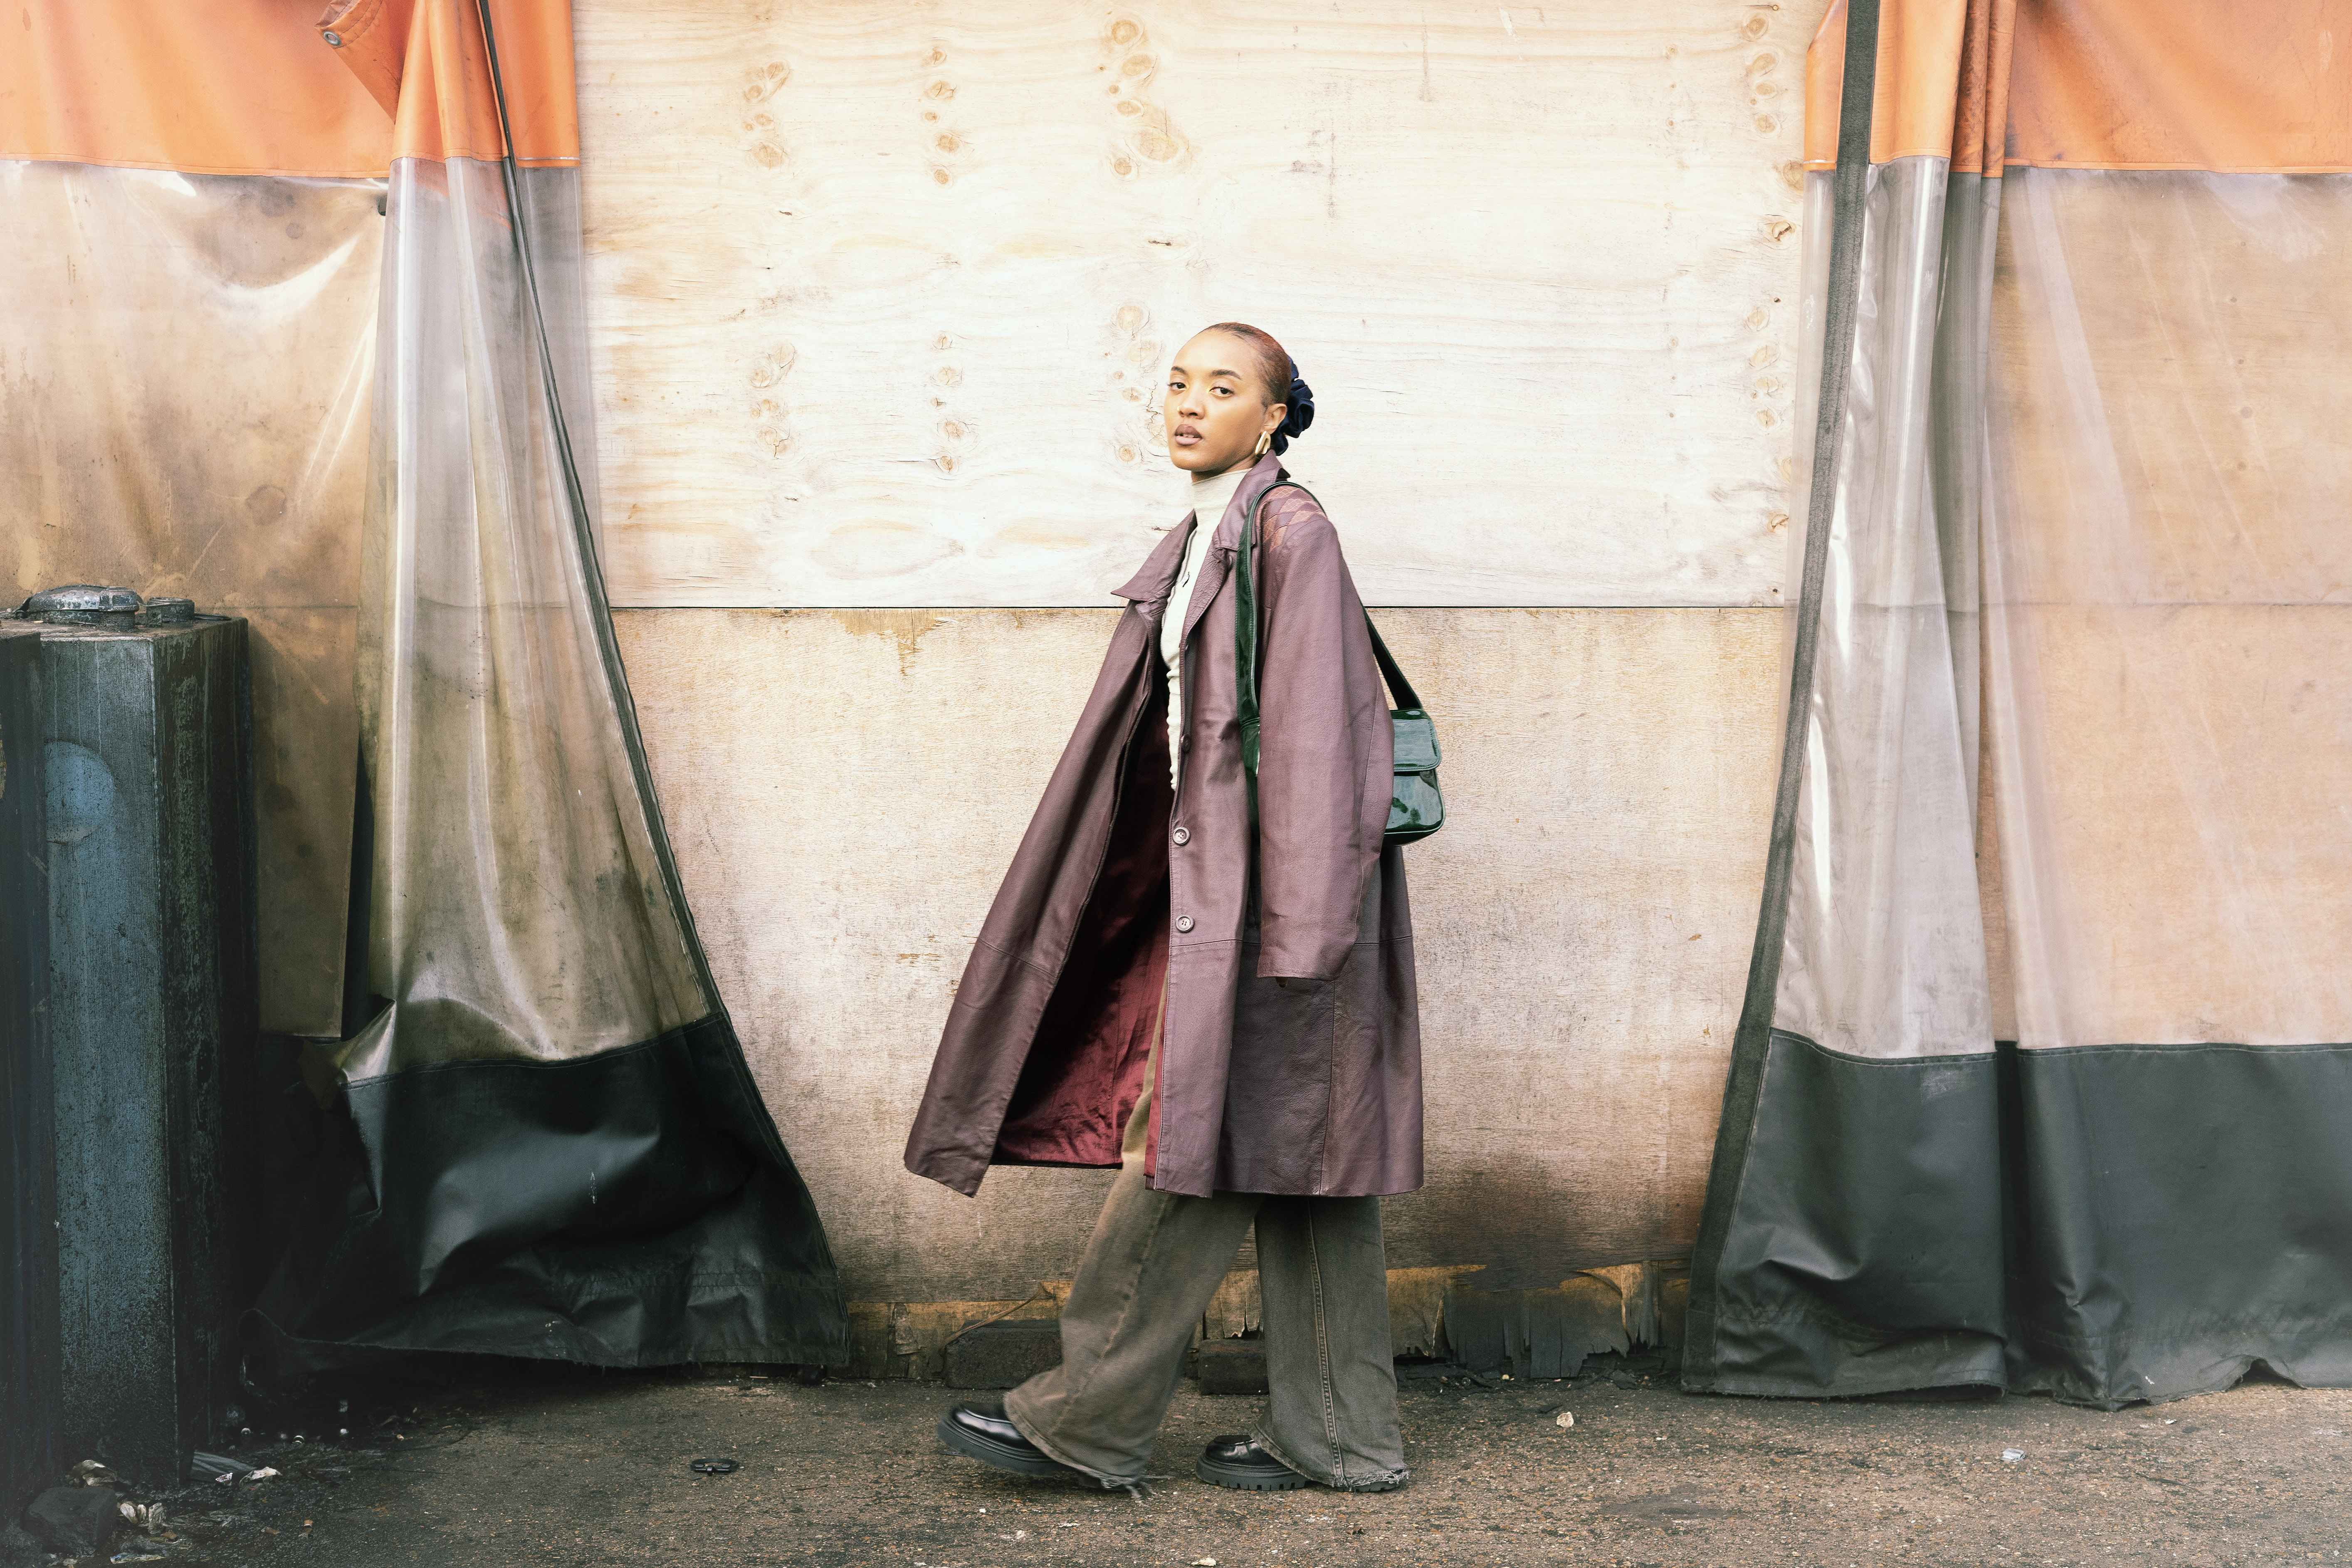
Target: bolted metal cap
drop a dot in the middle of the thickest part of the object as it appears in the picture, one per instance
(82, 604)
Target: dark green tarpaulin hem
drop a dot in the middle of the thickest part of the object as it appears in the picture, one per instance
(2178, 1213)
(2105, 1224)
(626, 1209)
(1863, 1252)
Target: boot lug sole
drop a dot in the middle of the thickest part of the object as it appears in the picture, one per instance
(973, 1445)
(1248, 1478)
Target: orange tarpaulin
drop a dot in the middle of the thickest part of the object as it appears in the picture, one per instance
(255, 88)
(2099, 84)
(244, 88)
(1918, 66)
(424, 62)
(2197, 84)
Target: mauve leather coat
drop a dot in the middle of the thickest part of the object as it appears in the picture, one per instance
(1290, 1060)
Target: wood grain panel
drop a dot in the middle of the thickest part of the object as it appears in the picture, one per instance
(881, 296)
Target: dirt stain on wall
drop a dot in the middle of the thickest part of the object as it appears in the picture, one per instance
(906, 627)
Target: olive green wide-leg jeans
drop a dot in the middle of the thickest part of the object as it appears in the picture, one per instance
(1154, 1262)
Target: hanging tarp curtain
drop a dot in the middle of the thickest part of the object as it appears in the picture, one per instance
(552, 1146)
(545, 1142)
(2043, 1080)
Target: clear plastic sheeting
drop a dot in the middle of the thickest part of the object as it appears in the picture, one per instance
(1883, 950)
(2052, 1091)
(185, 365)
(547, 1143)
(518, 910)
(2170, 601)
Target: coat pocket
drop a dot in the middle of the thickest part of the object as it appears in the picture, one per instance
(1278, 1088)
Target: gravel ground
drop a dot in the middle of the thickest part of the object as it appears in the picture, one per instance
(561, 1467)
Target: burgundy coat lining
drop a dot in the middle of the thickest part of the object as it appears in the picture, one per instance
(1085, 1069)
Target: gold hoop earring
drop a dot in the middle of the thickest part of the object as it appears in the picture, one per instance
(1265, 441)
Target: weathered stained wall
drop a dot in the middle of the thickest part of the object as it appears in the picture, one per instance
(879, 299)
(846, 787)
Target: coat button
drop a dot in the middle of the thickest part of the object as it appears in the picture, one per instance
(1183, 835)
(1183, 922)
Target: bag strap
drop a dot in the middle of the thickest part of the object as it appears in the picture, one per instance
(1245, 634)
(1399, 687)
(1246, 639)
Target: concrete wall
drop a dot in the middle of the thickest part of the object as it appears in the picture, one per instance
(845, 788)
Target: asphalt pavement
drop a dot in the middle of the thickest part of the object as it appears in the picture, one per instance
(504, 1465)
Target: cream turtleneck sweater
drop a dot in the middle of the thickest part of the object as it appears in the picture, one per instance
(1210, 494)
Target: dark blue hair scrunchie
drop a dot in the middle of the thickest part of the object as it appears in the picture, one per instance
(1301, 403)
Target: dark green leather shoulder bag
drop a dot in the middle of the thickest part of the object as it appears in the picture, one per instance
(1415, 808)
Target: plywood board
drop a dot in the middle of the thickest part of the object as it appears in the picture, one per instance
(845, 789)
(881, 297)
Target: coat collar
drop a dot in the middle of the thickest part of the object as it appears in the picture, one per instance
(1264, 475)
(1152, 585)
(1155, 579)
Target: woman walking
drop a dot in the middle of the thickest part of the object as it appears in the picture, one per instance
(1204, 978)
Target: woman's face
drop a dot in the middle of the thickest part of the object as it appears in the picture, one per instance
(1215, 408)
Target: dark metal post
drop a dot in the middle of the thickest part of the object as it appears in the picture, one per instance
(28, 1250)
(144, 1017)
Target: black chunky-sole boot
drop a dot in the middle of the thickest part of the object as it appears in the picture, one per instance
(1239, 1463)
(981, 1431)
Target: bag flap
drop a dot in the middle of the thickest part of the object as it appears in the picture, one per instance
(1416, 741)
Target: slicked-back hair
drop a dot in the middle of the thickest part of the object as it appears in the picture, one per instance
(1273, 359)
